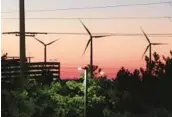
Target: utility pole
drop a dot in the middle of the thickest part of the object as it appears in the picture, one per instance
(22, 42)
(45, 54)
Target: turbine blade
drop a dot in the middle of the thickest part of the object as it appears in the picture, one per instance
(170, 19)
(159, 43)
(85, 28)
(145, 51)
(101, 36)
(86, 46)
(52, 42)
(145, 35)
(39, 41)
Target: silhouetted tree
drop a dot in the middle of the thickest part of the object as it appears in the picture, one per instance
(144, 91)
(137, 93)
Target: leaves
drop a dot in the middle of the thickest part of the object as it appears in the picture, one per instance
(130, 94)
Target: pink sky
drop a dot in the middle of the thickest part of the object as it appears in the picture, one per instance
(110, 53)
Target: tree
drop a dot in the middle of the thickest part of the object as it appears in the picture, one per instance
(131, 94)
(144, 91)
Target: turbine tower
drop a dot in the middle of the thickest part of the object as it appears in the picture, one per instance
(45, 47)
(150, 47)
(90, 41)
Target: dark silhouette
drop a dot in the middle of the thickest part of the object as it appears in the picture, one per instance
(147, 92)
(130, 94)
(90, 41)
(150, 47)
(4, 56)
(45, 47)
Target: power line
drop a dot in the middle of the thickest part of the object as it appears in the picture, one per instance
(90, 18)
(95, 7)
(171, 4)
(112, 34)
(78, 72)
(107, 69)
(104, 69)
(67, 68)
(110, 69)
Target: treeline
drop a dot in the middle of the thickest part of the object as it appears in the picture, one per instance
(142, 93)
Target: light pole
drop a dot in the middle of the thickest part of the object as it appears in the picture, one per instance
(85, 89)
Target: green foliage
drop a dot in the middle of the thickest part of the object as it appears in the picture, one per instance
(131, 94)
(17, 104)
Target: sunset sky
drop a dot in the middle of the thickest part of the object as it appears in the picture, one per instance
(110, 53)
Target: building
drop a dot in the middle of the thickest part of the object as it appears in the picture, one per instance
(10, 69)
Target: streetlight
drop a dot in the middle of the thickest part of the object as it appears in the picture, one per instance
(102, 73)
(85, 89)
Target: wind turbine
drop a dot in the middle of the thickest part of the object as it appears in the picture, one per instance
(90, 41)
(45, 47)
(150, 47)
(170, 19)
